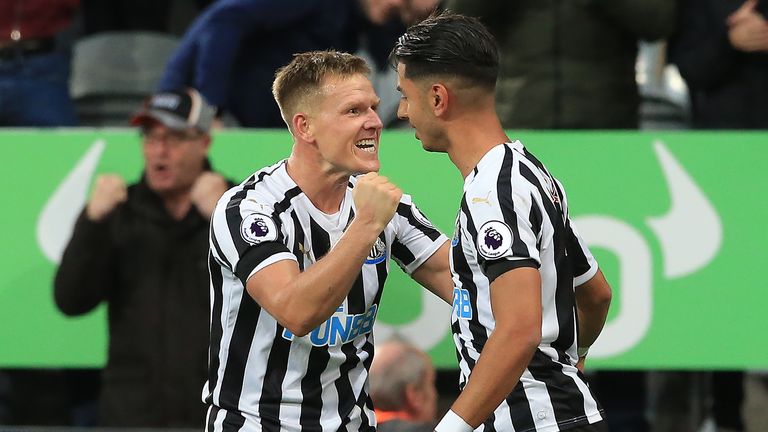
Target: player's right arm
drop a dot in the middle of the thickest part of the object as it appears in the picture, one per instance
(87, 271)
(300, 301)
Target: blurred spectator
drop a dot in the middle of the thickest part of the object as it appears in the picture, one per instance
(142, 249)
(231, 52)
(34, 63)
(570, 64)
(721, 50)
(130, 15)
(402, 387)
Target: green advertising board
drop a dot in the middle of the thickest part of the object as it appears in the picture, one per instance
(674, 219)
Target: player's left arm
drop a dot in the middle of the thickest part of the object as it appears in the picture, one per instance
(593, 298)
(435, 274)
(516, 304)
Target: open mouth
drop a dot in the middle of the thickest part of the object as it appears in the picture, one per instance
(367, 145)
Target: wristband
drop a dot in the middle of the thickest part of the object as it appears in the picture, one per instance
(582, 351)
(451, 422)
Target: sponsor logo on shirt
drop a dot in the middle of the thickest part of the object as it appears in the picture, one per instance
(340, 328)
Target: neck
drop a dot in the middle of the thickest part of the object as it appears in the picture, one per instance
(470, 137)
(324, 189)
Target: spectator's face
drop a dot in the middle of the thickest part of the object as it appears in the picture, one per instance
(345, 125)
(173, 159)
(414, 107)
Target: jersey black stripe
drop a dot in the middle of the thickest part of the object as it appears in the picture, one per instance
(298, 243)
(381, 273)
(233, 210)
(520, 409)
(504, 190)
(233, 422)
(344, 389)
(216, 330)
(356, 296)
(565, 301)
(255, 256)
(479, 335)
(321, 241)
(402, 254)
(535, 218)
(575, 253)
(566, 398)
(272, 392)
(213, 412)
(404, 210)
(283, 205)
(239, 347)
(312, 391)
(488, 423)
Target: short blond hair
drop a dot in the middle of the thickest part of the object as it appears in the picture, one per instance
(304, 76)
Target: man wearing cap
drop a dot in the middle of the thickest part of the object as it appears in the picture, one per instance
(142, 249)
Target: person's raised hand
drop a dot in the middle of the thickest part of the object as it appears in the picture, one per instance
(109, 191)
(376, 199)
(206, 191)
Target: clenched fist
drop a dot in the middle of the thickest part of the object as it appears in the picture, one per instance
(376, 199)
(206, 191)
(108, 192)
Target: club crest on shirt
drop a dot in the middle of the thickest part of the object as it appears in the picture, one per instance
(378, 252)
(257, 228)
(419, 216)
(494, 239)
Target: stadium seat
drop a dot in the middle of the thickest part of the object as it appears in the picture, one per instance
(113, 72)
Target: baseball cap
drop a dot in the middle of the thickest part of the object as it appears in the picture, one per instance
(178, 110)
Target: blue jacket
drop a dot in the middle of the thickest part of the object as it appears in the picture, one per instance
(232, 50)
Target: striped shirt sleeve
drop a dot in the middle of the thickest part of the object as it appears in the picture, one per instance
(245, 235)
(416, 238)
(584, 263)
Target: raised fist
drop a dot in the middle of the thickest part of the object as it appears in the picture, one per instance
(109, 191)
(206, 191)
(376, 199)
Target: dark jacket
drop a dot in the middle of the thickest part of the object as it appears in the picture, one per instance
(152, 273)
(569, 63)
(728, 88)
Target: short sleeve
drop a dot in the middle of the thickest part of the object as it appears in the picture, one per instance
(584, 264)
(245, 236)
(416, 238)
(504, 228)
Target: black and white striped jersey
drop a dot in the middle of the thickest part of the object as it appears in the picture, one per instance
(262, 377)
(514, 214)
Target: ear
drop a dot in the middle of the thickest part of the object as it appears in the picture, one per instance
(301, 127)
(413, 399)
(439, 99)
(206, 142)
